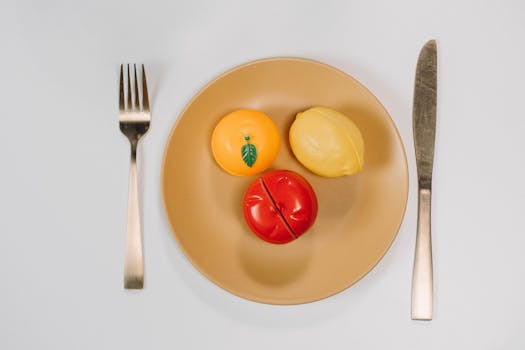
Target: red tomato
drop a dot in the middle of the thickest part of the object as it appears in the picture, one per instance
(280, 206)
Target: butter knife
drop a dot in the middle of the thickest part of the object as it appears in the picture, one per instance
(424, 126)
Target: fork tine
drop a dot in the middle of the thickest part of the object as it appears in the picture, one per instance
(137, 104)
(129, 92)
(121, 90)
(145, 99)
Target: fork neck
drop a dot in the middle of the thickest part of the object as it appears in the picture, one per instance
(133, 150)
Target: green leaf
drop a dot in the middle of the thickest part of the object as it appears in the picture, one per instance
(249, 152)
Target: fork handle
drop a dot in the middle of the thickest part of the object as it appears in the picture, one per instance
(422, 280)
(133, 264)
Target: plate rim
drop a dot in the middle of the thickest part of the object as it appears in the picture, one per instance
(190, 102)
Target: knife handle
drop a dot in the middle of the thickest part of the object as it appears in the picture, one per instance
(422, 281)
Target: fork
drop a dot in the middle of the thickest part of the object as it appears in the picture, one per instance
(134, 120)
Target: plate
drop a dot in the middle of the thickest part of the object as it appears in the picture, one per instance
(358, 216)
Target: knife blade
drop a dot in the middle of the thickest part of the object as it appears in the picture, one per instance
(424, 127)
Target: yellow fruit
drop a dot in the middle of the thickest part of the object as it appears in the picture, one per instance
(245, 142)
(327, 142)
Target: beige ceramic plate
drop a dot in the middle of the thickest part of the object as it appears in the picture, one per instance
(358, 217)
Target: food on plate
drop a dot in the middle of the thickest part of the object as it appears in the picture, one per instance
(280, 206)
(245, 142)
(327, 142)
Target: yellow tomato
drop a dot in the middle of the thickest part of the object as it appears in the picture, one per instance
(327, 142)
(245, 142)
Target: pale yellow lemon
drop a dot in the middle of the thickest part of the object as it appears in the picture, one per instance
(245, 142)
(327, 142)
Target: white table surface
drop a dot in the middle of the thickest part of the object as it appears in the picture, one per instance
(63, 183)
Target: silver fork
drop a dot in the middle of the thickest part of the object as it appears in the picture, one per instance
(134, 123)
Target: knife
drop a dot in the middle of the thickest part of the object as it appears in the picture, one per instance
(424, 126)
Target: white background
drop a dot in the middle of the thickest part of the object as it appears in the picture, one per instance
(64, 172)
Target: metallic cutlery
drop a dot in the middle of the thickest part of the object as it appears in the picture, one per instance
(134, 121)
(424, 125)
